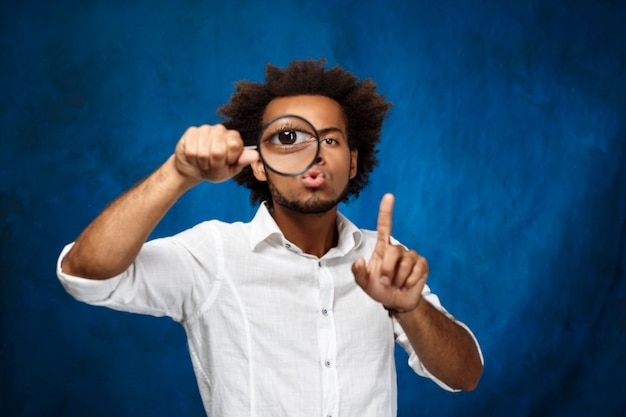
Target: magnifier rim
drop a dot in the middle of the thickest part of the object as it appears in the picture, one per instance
(315, 133)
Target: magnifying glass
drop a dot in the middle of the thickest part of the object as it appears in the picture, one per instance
(288, 145)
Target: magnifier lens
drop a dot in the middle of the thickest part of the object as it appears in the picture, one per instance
(289, 145)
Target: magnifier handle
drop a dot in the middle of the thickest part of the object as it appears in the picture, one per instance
(252, 147)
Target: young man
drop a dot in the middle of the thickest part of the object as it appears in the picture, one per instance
(297, 311)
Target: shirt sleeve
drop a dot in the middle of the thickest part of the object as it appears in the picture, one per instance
(166, 279)
(414, 361)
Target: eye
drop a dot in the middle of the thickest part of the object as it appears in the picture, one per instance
(289, 137)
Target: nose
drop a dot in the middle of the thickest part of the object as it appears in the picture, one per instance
(320, 157)
(319, 160)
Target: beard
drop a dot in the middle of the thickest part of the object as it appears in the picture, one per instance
(313, 205)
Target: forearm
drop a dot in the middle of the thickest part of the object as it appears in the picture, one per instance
(445, 348)
(111, 242)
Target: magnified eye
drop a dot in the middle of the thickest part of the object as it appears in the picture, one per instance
(288, 145)
(291, 137)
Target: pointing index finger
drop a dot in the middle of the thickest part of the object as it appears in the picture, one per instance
(383, 226)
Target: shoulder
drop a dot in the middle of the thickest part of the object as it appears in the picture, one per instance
(212, 229)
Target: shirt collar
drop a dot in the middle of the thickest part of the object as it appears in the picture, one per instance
(265, 229)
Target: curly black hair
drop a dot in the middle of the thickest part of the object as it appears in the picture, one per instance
(365, 111)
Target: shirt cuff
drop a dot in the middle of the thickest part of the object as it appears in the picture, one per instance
(84, 289)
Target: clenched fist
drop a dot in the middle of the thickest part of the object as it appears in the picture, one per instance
(212, 153)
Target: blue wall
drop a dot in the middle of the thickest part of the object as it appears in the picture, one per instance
(506, 149)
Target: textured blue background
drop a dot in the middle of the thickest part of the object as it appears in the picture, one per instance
(506, 149)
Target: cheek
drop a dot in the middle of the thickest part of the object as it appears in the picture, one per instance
(279, 182)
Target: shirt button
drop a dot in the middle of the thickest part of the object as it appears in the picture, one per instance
(327, 364)
(324, 312)
(319, 264)
(287, 245)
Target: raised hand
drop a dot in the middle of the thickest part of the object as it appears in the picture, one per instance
(212, 153)
(394, 276)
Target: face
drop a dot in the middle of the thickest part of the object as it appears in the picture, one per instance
(325, 184)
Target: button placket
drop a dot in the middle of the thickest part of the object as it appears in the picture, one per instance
(328, 337)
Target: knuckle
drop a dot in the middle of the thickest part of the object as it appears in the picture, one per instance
(423, 263)
(232, 135)
(407, 264)
(218, 153)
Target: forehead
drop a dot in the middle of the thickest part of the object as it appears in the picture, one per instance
(321, 111)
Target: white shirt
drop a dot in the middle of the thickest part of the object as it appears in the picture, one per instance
(271, 331)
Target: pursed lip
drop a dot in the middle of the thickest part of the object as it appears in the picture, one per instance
(313, 178)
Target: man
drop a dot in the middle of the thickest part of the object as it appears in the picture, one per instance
(295, 312)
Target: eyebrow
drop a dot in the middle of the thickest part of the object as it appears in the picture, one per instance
(329, 130)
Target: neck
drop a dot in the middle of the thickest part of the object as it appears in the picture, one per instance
(314, 234)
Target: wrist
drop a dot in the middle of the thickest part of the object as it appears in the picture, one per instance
(175, 178)
(394, 312)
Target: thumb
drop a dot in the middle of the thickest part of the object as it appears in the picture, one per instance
(359, 270)
(247, 157)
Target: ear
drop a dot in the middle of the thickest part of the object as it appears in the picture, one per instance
(354, 157)
(258, 169)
